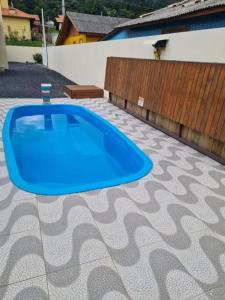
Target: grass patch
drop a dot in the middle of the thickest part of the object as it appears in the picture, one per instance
(25, 43)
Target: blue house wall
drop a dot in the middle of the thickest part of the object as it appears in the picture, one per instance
(198, 23)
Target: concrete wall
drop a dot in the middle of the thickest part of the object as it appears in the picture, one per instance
(3, 55)
(22, 54)
(85, 63)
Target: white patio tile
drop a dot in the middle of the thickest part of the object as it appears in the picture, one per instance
(18, 216)
(180, 267)
(154, 228)
(35, 288)
(119, 220)
(69, 233)
(21, 257)
(95, 280)
(202, 297)
(10, 192)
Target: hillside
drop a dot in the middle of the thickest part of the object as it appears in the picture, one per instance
(116, 8)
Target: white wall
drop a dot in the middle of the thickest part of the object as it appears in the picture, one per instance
(85, 63)
(22, 54)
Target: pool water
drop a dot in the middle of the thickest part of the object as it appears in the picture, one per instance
(61, 149)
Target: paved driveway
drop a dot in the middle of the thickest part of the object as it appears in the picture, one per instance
(161, 237)
(24, 80)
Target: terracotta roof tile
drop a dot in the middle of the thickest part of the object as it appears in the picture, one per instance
(35, 17)
(59, 19)
(16, 13)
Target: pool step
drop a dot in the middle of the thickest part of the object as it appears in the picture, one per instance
(83, 91)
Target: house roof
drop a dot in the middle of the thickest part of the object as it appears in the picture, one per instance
(59, 19)
(15, 13)
(94, 23)
(36, 18)
(174, 10)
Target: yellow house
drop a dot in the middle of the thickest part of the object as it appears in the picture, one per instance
(80, 28)
(16, 23)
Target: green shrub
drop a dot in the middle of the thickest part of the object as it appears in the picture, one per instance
(38, 58)
(14, 35)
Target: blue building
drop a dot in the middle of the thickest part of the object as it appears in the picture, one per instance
(187, 15)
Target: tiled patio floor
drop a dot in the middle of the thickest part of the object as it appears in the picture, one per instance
(162, 237)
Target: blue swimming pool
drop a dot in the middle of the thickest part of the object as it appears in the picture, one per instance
(63, 149)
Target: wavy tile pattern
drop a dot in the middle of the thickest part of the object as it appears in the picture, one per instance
(162, 237)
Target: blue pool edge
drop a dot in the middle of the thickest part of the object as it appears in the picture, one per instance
(17, 180)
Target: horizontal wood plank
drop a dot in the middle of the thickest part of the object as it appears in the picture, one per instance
(191, 94)
(83, 91)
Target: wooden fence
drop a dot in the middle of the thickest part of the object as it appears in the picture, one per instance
(186, 99)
